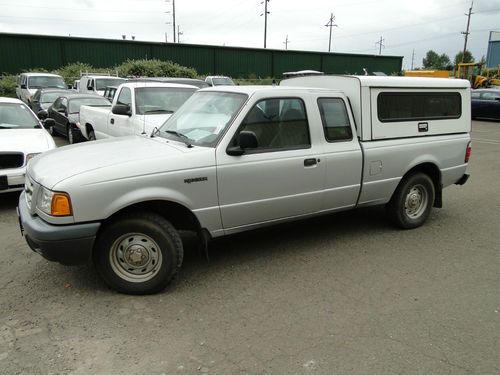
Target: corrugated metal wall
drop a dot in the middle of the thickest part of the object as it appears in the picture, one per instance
(493, 56)
(20, 52)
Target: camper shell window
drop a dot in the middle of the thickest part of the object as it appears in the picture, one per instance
(413, 106)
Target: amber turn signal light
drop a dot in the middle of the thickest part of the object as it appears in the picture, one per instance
(61, 205)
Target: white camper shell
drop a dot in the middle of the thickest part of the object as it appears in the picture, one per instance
(400, 107)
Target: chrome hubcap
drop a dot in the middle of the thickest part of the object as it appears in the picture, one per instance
(416, 201)
(135, 257)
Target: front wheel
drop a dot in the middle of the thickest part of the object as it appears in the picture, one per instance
(138, 254)
(91, 135)
(412, 201)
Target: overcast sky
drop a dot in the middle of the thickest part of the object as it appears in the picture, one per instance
(404, 25)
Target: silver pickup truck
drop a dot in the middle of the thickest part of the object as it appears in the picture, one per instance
(236, 158)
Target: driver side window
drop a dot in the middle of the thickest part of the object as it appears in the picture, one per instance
(278, 124)
(125, 97)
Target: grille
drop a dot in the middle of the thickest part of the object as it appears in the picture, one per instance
(11, 160)
(28, 188)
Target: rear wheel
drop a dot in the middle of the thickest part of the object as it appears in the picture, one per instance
(138, 253)
(73, 134)
(412, 201)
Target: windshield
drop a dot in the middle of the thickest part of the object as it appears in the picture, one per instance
(222, 81)
(17, 116)
(102, 83)
(45, 81)
(75, 104)
(160, 99)
(50, 97)
(204, 116)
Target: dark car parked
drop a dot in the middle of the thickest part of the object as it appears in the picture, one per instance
(486, 103)
(43, 99)
(66, 113)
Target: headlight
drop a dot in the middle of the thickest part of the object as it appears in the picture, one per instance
(54, 203)
(31, 156)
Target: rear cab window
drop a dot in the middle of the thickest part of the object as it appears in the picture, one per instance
(335, 120)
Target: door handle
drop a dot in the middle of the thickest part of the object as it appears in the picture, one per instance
(310, 162)
(112, 121)
(423, 127)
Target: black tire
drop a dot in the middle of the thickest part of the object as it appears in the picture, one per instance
(412, 201)
(91, 135)
(74, 135)
(146, 239)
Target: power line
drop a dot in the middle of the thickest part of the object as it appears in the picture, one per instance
(179, 33)
(286, 42)
(265, 21)
(380, 45)
(330, 24)
(466, 33)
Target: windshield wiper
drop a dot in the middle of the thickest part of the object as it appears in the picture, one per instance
(159, 110)
(181, 136)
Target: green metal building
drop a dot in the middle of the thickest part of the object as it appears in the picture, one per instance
(21, 52)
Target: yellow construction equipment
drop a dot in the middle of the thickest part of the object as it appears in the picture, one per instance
(427, 73)
(472, 72)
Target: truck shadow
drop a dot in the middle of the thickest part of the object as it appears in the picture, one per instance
(274, 243)
(284, 240)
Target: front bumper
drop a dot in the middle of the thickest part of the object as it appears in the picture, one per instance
(12, 180)
(66, 244)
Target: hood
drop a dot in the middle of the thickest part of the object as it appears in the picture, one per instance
(44, 105)
(100, 92)
(25, 140)
(111, 159)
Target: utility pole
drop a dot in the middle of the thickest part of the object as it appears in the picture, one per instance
(380, 45)
(286, 42)
(179, 33)
(466, 33)
(330, 24)
(265, 21)
(412, 58)
(173, 17)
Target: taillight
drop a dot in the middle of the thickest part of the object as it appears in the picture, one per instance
(468, 151)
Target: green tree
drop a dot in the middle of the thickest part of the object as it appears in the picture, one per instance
(434, 61)
(468, 58)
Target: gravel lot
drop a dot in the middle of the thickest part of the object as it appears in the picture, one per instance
(342, 294)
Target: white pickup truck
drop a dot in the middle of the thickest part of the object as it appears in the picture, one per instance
(236, 158)
(137, 108)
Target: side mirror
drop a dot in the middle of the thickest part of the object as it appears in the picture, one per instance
(121, 109)
(48, 122)
(43, 114)
(23, 86)
(90, 86)
(246, 139)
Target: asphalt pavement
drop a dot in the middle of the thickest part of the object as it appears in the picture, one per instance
(341, 294)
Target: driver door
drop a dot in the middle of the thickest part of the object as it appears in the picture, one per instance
(281, 178)
(120, 125)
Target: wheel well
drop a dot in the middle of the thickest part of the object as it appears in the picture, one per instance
(178, 215)
(88, 128)
(434, 173)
